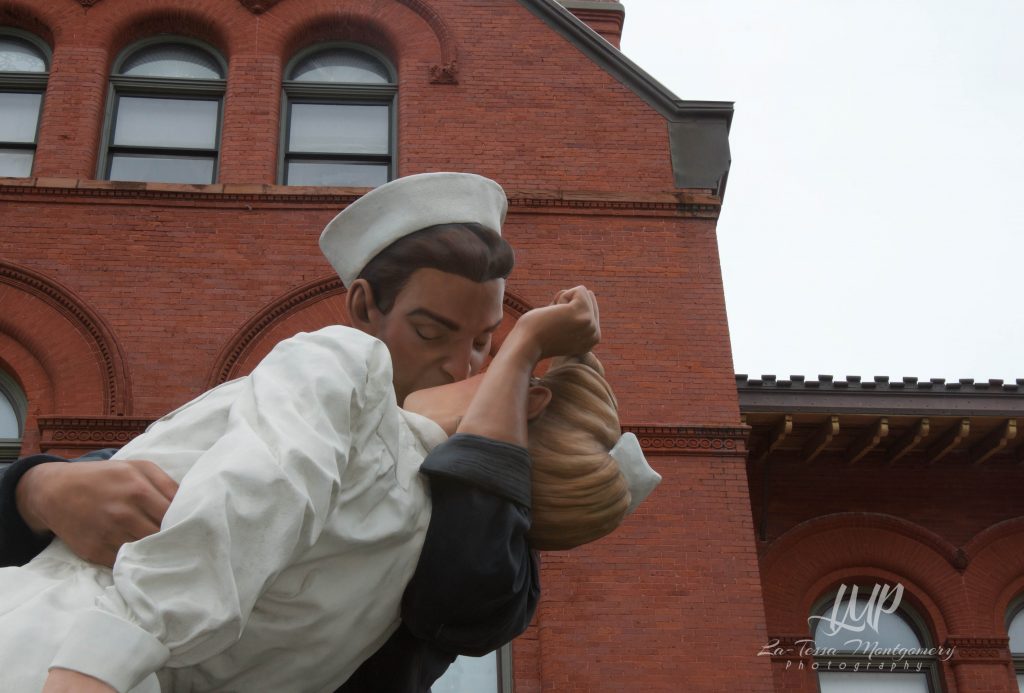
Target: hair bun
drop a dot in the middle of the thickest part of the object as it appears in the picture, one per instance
(588, 359)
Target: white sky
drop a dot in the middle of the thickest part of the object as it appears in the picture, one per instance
(873, 222)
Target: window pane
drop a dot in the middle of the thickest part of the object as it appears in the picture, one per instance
(1020, 682)
(1017, 633)
(893, 629)
(163, 169)
(340, 174)
(8, 419)
(148, 122)
(172, 60)
(875, 683)
(341, 128)
(18, 55)
(15, 163)
(470, 675)
(339, 65)
(19, 116)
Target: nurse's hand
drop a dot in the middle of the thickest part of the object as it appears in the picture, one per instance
(67, 681)
(95, 507)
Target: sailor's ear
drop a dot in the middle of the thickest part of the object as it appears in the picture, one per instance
(361, 305)
(537, 400)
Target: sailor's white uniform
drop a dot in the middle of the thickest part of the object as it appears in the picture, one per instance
(281, 562)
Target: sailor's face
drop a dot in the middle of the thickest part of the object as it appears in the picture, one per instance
(439, 329)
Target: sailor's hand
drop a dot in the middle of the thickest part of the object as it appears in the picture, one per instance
(571, 325)
(95, 507)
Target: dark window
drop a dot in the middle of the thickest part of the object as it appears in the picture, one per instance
(24, 64)
(338, 124)
(165, 114)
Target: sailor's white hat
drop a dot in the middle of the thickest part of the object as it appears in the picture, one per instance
(403, 206)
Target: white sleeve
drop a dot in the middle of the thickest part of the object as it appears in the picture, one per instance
(251, 503)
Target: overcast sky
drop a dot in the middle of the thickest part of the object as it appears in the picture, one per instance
(873, 222)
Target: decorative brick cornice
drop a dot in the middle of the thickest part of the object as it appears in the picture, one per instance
(244, 196)
(708, 208)
(117, 390)
(691, 440)
(975, 650)
(89, 432)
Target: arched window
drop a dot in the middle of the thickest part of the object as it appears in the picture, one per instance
(13, 407)
(1015, 628)
(24, 64)
(338, 122)
(866, 640)
(164, 113)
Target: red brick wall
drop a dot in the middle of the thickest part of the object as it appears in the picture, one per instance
(672, 602)
(952, 533)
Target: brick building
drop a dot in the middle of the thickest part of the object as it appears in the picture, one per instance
(171, 163)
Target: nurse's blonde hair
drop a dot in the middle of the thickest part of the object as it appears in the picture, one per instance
(579, 495)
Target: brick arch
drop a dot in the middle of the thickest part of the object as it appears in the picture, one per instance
(36, 21)
(381, 24)
(995, 576)
(309, 307)
(816, 555)
(64, 355)
(136, 21)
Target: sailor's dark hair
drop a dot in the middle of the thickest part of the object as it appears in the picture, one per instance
(464, 249)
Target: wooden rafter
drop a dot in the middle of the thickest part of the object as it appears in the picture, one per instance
(782, 429)
(994, 441)
(821, 438)
(868, 441)
(910, 440)
(948, 441)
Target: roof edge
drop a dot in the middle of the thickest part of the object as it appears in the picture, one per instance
(698, 130)
(613, 61)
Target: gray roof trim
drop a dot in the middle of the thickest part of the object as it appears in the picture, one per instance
(656, 94)
(599, 5)
(853, 395)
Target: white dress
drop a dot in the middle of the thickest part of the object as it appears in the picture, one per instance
(281, 563)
